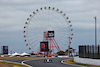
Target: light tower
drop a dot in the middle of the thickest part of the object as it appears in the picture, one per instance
(95, 31)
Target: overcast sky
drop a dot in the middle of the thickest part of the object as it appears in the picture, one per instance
(13, 15)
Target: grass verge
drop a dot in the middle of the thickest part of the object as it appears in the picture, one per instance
(12, 64)
(72, 62)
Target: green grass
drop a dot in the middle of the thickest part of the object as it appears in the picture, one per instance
(13, 64)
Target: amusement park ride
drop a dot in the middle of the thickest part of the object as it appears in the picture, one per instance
(48, 29)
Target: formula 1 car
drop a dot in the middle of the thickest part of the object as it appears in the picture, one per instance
(47, 60)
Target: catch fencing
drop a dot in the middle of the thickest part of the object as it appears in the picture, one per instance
(89, 51)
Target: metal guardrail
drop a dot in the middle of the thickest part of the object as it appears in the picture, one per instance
(89, 51)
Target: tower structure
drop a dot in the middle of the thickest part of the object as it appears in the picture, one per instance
(49, 35)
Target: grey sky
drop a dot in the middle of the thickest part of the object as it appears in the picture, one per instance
(13, 14)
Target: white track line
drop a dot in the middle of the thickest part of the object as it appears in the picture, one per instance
(72, 64)
(27, 64)
(28, 60)
(10, 61)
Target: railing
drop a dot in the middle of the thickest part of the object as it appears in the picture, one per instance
(89, 51)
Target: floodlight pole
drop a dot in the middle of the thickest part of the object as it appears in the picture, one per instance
(95, 31)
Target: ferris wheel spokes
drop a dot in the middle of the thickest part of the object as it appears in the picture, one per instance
(48, 19)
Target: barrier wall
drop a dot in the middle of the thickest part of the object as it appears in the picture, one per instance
(87, 61)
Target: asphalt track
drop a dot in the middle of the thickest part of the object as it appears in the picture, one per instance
(56, 62)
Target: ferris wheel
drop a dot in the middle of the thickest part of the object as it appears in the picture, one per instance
(48, 19)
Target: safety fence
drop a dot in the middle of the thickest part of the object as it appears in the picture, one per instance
(89, 51)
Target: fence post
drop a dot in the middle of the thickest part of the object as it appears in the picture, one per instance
(80, 51)
(99, 51)
(92, 52)
(87, 51)
(84, 51)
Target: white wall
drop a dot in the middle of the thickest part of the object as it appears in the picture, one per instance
(87, 61)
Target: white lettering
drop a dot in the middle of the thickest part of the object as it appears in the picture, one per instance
(51, 34)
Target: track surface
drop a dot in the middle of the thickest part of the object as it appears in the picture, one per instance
(56, 62)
